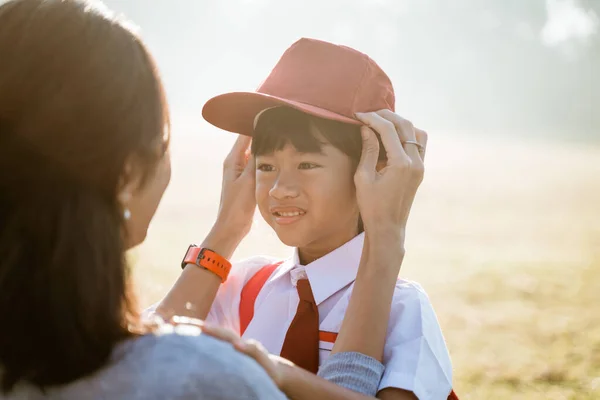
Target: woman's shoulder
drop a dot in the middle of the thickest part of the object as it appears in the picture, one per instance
(188, 351)
(180, 339)
(174, 363)
(192, 364)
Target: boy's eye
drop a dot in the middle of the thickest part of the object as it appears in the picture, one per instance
(265, 167)
(307, 165)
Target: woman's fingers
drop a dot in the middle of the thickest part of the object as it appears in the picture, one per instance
(241, 146)
(406, 133)
(250, 167)
(226, 335)
(422, 138)
(370, 152)
(238, 156)
(253, 349)
(389, 137)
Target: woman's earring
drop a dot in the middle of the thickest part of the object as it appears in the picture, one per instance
(127, 214)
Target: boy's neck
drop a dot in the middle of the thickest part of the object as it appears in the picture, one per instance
(318, 249)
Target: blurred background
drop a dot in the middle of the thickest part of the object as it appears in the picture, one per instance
(505, 232)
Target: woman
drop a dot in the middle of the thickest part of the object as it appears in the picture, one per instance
(312, 187)
(84, 158)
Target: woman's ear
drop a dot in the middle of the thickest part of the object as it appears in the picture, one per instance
(129, 182)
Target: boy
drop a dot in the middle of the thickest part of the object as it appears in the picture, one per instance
(306, 148)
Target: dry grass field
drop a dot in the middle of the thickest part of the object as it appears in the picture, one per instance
(504, 236)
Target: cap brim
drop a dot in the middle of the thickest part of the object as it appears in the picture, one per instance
(235, 112)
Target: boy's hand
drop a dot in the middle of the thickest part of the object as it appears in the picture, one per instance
(386, 196)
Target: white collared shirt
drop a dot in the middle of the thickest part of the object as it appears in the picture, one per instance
(415, 353)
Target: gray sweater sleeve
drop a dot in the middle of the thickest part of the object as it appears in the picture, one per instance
(354, 371)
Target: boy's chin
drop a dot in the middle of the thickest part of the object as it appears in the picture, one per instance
(291, 238)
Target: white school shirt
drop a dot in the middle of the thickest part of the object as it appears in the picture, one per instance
(415, 354)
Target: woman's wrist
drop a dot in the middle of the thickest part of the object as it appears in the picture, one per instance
(384, 250)
(289, 377)
(223, 239)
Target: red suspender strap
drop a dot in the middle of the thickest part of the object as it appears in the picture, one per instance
(250, 293)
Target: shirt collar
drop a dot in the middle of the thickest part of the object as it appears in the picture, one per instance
(333, 271)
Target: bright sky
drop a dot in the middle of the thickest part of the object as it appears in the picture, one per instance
(460, 65)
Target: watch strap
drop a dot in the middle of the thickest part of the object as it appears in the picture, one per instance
(209, 259)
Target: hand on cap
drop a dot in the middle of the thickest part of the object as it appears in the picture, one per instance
(385, 196)
(238, 202)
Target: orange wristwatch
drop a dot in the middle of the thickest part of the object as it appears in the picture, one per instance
(206, 258)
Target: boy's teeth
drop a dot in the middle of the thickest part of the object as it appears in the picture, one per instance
(290, 214)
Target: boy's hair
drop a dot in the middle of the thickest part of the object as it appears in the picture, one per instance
(279, 126)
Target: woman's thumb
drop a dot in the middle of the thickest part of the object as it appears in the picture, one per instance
(250, 167)
(370, 151)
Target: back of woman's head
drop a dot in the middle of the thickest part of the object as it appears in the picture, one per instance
(79, 98)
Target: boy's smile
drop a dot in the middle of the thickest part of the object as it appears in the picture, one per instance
(286, 215)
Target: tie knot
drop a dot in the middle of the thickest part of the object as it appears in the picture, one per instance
(304, 291)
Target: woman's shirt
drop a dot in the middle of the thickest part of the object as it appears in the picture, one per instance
(167, 366)
(180, 364)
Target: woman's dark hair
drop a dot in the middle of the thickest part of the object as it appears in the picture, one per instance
(79, 95)
(279, 126)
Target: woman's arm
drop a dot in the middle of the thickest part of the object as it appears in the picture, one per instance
(194, 291)
(385, 195)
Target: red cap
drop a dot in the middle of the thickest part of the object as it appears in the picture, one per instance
(316, 77)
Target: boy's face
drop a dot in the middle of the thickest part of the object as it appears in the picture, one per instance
(309, 199)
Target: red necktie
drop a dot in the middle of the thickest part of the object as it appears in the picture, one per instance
(301, 345)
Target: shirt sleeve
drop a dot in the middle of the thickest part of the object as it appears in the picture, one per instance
(355, 371)
(415, 354)
(225, 310)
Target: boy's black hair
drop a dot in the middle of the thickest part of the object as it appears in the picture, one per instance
(282, 125)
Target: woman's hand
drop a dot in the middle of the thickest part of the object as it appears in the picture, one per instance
(238, 202)
(385, 196)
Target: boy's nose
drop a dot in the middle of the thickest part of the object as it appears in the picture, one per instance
(284, 189)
